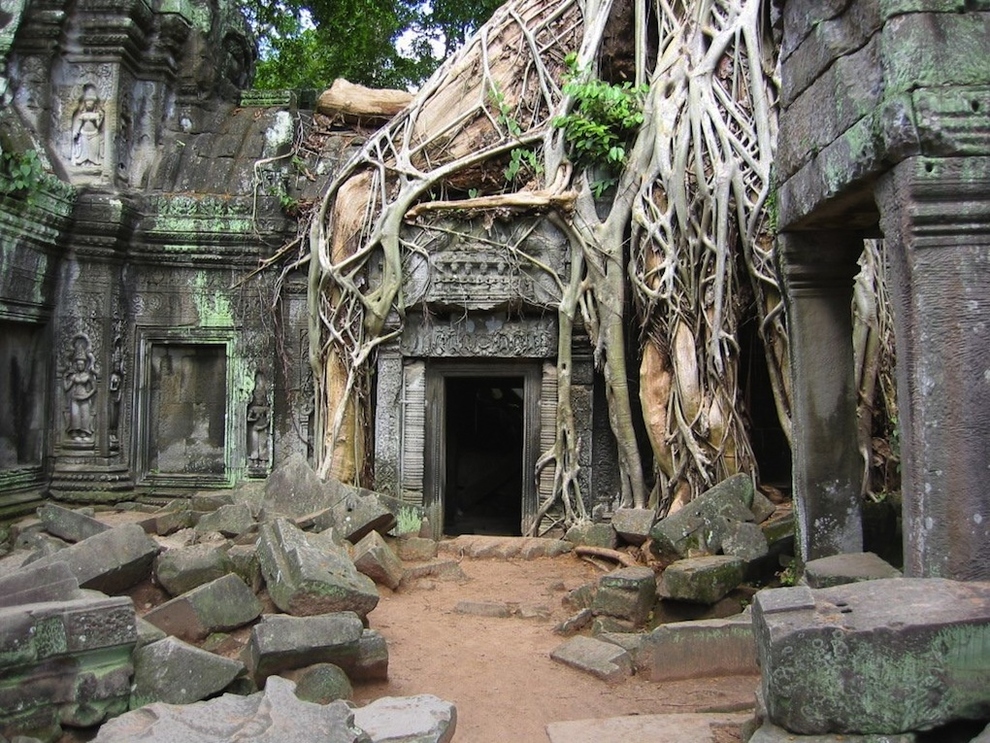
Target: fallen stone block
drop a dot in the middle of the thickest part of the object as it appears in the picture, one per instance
(418, 719)
(610, 625)
(244, 562)
(745, 540)
(770, 733)
(305, 579)
(627, 593)
(281, 643)
(702, 580)
(480, 546)
(111, 561)
(68, 524)
(675, 728)
(702, 524)
(711, 647)
(275, 714)
(582, 597)
(439, 569)
(181, 569)
(601, 659)
(491, 609)
(211, 500)
(375, 559)
(412, 548)
(230, 521)
(633, 524)
(36, 584)
(148, 633)
(837, 570)
(168, 520)
(175, 672)
(878, 657)
(14, 560)
(321, 683)
(574, 623)
(593, 535)
(64, 663)
(294, 489)
(371, 661)
(357, 512)
(762, 507)
(220, 605)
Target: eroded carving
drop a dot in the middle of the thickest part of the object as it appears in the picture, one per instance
(79, 383)
(87, 129)
(259, 420)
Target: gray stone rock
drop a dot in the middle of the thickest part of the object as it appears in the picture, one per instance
(574, 623)
(371, 661)
(703, 524)
(582, 597)
(412, 548)
(593, 535)
(322, 683)
(35, 584)
(684, 650)
(210, 500)
(230, 520)
(305, 579)
(281, 643)
(983, 737)
(69, 524)
(169, 520)
(504, 548)
(111, 561)
(745, 540)
(43, 545)
(293, 489)
(419, 719)
(220, 605)
(876, 657)
(770, 733)
(442, 569)
(148, 633)
(853, 567)
(374, 558)
(275, 715)
(182, 569)
(601, 659)
(633, 524)
(491, 609)
(702, 580)
(244, 562)
(762, 508)
(175, 672)
(357, 512)
(14, 560)
(627, 593)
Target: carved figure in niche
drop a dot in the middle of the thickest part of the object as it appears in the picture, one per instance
(259, 421)
(80, 387)
(114, 386)
(87, 129)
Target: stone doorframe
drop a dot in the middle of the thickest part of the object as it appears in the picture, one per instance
(434, 476)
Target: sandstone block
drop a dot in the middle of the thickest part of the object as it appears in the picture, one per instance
(746, 541)
(322, 683)
(704, 523)
(412, 548)
(280, 642)
(627, 593)
(182, 569)
(220, 605)
(68, 524)
(357, 512)
(419, 719)
(633, 524)
(712, 647)
(593, 535)
(293, 489)
(230, 520)
(175, 672)
(35, 584)
(375, 559)
(703, 580)
(601, 659)
(371, 661)
(491, 609)
(837, 570)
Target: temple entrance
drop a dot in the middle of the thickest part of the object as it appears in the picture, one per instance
(482, 438)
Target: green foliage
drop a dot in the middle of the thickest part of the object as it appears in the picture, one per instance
(789, 576)
(310, 43)
(23, 173)
(603, 121)
(407, 521)
(523, 163)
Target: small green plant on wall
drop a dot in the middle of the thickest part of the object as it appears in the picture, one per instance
(23, 173)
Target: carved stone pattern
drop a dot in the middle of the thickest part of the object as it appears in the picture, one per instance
(527, 339)
(108, 628)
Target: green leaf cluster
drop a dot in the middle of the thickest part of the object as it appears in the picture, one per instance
(603, 121)
(23, 173)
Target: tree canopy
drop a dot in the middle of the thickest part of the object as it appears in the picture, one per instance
(378, 43)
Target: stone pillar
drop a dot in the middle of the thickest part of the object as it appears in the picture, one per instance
(818, 270)
(935, 215)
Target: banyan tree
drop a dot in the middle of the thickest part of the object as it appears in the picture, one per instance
(644, 131)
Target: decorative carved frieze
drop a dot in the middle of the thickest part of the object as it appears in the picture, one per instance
(484, 336)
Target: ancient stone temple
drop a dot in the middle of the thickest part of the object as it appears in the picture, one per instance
(140, 352)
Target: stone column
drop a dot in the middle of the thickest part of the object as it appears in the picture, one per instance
(935, 215)
(818, 270)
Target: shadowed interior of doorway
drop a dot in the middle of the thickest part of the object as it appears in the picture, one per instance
(484, 448)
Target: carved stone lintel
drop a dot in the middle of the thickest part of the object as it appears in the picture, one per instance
(485, 336)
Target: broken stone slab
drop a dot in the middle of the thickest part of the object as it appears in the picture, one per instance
(294, 489)
(582, 597)
(111, 561)
(481, 546)
(837, 570)
(702, 524)
(701, 580)
(443, 569)
(35, 584)
(491, 609)
(633, 524)
(220, 605)
(627, 593)
(356, 512)
(307, 576)
(210, 500)
(244, 562)
(611, 625)
(682, 728)
(423, 718)
(273, 715)
(176, 672)
(69, 524)
(181, 569)
(64, 663)
(148, 633)
(602, 660)
(280, 643)
(574, 623)
(762, 507)
(746, 541)
(371, 661)
(321, 683)
(706, 648)
(770, 733)
(412, 548)
(168, 520)
(374, 558)
(230, 520)
(14, 560)
(593, 535)
(878, 657)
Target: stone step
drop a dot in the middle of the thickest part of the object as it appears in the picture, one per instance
(673, 728)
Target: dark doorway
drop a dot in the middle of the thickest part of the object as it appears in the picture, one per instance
(485, 427)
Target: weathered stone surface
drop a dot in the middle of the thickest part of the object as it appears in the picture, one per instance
(633, 524)
(675, 728)
(412, 548)
(34, 584)
(762, 508)
(111, 561)
(357, 512)
(770, 733)
(582, 597)
(442, 569)
(983, 737)
(223, 604)
(703, 580)
(280, 642)
(712, 647)
(419, 719)
(69, 524)
(745, 540)
(304, 579)
(374, 558)
(837, 570)
(484, 546)
(322, 683)
(627, 593)
(148, 633)
(293, 489)
(371, 661)
(275, 715)
(175, 672)
(593, 535)
(182, 569)
(491, 609)
(211, 500)
(244, 562)
(601, 659)
(574, 623)
(230, 520)
(703, 524)
(169, 520)
(876, 657)
(64, 663)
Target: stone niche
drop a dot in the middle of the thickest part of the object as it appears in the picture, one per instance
(467, 393)
(23, 376)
